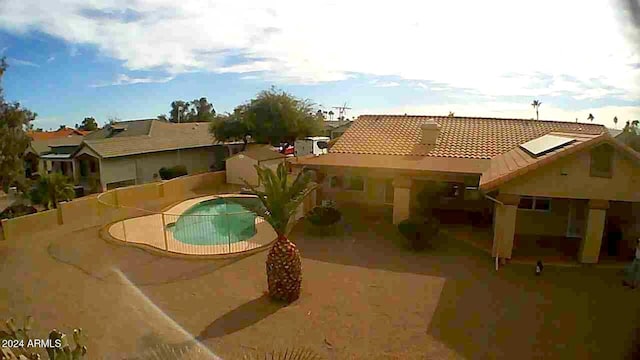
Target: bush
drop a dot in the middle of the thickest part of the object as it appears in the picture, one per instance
(324, 216)
(17, 210)
(172, 172)
(419, 232)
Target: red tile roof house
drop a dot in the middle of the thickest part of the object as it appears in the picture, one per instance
(546, 184)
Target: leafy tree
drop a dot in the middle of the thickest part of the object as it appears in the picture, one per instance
(590, 117)
(51, 189)
(229, 127)
(278, 203)
(62, 127)
(615, 121)
(179, 111)
(536, 105)
(631, 134)
(273, 117)
(163, 117)
(14, 122)
(204, 110)
(88, 124)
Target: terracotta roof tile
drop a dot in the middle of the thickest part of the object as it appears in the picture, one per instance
(460, 137)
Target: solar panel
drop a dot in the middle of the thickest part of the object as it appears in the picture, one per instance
(546, 143)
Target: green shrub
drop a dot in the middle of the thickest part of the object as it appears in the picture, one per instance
(172, 172)
(324, 216)
(419, 232)
(17, 210)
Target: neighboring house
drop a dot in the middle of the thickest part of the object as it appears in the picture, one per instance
(50, 135)
(335, 128)
(242, 165)
(52, 153)
(536, 178)
(132, 152)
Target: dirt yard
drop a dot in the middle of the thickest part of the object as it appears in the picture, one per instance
(363, 298)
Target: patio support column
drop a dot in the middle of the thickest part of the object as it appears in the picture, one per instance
(504, 225)
(401, 199)
(320, 176)
(590, 245)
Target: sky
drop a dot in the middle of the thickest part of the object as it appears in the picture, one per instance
(129, 59)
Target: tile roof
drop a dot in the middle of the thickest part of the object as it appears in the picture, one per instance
(460, 137)
(132, 128)
(517, 161)
(146, 136)
(49, 135)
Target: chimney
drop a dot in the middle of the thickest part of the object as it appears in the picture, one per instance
(430, 132)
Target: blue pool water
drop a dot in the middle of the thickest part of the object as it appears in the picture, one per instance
(216, 222)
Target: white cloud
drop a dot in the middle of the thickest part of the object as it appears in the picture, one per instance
(123, 79)
(51, 58)
(602, 115)
(493, 48)
(387, 84)
(18, 62)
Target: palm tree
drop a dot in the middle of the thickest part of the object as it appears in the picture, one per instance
(590, 117)
(536, 105)
(279, 201)
(51, 189)
(615, 121)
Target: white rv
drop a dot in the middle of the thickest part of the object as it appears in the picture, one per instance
(315, 145)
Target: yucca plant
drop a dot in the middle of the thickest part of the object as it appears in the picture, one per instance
(51, 189)
(278, 203)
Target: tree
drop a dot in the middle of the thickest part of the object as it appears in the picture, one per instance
(163, 117)
(62, 127)
(536, 105)
(179, 111)
(276, 117)
(88, 124)
(631, 134)
(615, 121)
(278, 203)
(590, 117)
(273, 117)
(51, 189)
(229, 127)
(14, 122)
(451, 114)
(204, 111)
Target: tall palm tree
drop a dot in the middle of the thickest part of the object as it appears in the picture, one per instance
(536, 105)
(278, 203)
(615, 121)
(53, 188)
(590, 117)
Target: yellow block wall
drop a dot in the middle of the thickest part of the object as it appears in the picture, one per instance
(28, 224)
(107, 207)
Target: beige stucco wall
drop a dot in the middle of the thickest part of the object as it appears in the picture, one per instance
(24, 225)
(373, 193)
(81, 213)
(241, 167)
(577, 184)
(141, 168)
(116, 169)
(551, 223)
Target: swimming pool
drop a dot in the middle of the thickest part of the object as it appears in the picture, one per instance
(216, 222)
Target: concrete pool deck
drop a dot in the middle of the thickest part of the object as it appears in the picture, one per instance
(148, 231)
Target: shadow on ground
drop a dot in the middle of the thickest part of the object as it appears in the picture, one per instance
(241, 317)
(567, 313)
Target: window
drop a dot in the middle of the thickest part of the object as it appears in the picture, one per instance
(335, 182)
(602, 161)
(534, 203)
(354, 183)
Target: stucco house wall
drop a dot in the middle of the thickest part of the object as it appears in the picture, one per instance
(550, 180)
(545, 223)
(241, 167)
